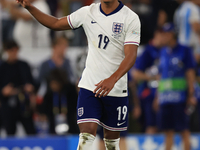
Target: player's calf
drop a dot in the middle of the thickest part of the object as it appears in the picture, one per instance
(85, 141)
(112, 144)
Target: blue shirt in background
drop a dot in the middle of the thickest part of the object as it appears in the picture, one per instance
(145, 61)
(173, 65)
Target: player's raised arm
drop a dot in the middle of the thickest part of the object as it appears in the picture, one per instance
(46, 20)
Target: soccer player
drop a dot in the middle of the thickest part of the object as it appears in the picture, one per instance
(187, 21)
(113, 33)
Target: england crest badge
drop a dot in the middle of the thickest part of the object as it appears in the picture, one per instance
(117, 28)
(80, 111)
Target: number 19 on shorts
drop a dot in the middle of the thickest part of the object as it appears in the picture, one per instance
(122, 112)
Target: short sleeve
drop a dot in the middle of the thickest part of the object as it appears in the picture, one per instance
(194, 14)
(76, 19)
(133, 32)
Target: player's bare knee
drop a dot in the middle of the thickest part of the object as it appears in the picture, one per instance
(111, 134)
(92, 132)
(89, 128)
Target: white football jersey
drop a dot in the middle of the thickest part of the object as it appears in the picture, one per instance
(185, 15)
(106, 34)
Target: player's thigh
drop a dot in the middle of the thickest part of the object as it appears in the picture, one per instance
(115, 113)
(89, 111)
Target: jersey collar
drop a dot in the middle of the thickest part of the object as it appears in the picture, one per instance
(115, 11)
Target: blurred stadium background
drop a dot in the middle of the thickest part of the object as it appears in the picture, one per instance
(43, 106)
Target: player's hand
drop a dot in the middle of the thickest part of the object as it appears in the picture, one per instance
(24, 3)
(104, 87)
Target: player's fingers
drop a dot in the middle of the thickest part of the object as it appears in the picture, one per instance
(99, 91)
(98, 87)
(99, 83)
(102, 93)
(107, 92)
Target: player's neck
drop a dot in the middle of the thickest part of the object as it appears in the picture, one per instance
(109, 7)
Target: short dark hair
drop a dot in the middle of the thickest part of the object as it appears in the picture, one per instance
(10, 44)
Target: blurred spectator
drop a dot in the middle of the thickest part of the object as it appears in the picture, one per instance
(6, 20)
(176, 88)
(16, 91)
(187, 21)
(53, 6)
(57, 60)
(59, 104)
(27, 31)
(146, 74)
(168, 6)
(197, 95)
(162, 18)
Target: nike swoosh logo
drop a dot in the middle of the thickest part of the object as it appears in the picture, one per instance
(119, 124)
(93, 22)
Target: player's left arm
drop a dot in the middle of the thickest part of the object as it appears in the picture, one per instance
(105, 86)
